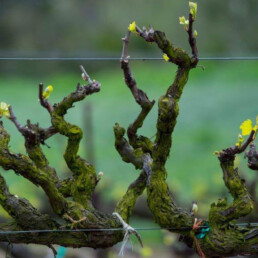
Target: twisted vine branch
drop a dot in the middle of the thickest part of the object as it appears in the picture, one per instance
(223, 237)
(70, 198)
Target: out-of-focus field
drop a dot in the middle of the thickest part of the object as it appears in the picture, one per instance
(214, 103)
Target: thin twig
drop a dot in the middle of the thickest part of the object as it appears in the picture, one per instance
(74, 222)
(86, 74)
(44, 102)
(144, 33)
(229, 153)
(248, 141)
(29, 135)
(125, 46)
(14, 119)
(140, 96)
(192, 40)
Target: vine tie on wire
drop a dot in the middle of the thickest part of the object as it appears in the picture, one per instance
(128, 231)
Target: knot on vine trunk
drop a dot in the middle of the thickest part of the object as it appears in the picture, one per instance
(227, 155)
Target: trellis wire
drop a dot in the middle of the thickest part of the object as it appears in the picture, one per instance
(115, 59)
(248, 58)
(109, 229)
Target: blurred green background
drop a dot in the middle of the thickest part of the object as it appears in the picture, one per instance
(214, 104)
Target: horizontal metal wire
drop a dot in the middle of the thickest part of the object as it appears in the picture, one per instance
(109, 229)
(247, 58)
(88, 230)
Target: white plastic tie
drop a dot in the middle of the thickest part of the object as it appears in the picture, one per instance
(128, 231)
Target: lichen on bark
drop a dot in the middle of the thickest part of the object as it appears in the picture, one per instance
(224, 238)
(71, 198)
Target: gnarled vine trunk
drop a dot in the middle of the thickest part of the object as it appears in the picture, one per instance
(71, 198)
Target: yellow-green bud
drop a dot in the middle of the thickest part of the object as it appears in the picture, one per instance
(132, 27)
(100, 174)
(216, 153)
(184, 22)
(193, 9)
(84, 77)
(240, 138)
(165, 57)
(4, 110)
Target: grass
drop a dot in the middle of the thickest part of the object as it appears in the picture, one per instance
(214, 104)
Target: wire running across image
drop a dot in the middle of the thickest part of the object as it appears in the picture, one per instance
(254, 224)
(247, 58)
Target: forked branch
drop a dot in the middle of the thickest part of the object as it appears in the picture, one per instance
(71, 198)
(77, 211)
(140, 97)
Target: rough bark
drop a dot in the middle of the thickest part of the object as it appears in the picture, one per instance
(224, 237)
(71, 199)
